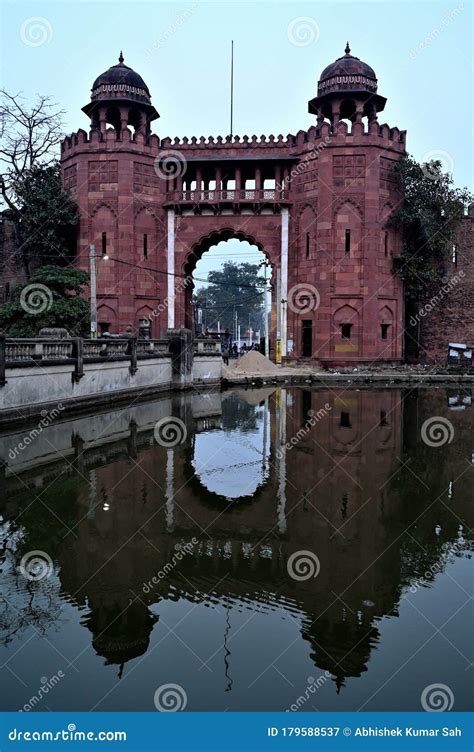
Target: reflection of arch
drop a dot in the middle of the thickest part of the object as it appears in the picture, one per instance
(239, 466)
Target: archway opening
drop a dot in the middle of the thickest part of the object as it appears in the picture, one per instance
(226, 297)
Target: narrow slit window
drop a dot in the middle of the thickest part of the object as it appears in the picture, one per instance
(345, 421)
(348, 242)
(385, 243)
(307, 245)
(455, 254)
(384, 330)
(346, 331)
(145, 245)
(383, 418)
(104, 244)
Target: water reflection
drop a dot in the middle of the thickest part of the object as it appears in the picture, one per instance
(261, 475)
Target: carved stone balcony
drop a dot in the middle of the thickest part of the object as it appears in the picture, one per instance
(196, 197)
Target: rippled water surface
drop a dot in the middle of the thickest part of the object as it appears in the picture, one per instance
(295, 549)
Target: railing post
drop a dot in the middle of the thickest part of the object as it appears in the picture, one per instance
(78, 355)
(132, 351)
(3, 360)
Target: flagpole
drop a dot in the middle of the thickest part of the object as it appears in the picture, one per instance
(232, 89)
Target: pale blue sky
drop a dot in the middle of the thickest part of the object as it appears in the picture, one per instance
(421, 53)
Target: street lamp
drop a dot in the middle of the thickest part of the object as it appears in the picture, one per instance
(93, 284)
(265, 265)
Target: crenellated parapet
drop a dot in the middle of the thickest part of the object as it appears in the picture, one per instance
(371, 134)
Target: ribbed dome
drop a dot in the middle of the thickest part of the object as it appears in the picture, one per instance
(120, 81)
(347, 73)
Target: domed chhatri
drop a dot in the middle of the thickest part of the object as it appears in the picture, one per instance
(344, 87)
(122, 87)
(347, 73)
(118, 80)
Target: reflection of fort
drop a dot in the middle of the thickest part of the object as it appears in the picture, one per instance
(347, 490)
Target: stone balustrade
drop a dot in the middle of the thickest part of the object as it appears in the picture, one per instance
(77, 372)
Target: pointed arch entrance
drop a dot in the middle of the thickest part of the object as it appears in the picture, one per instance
(195, 234)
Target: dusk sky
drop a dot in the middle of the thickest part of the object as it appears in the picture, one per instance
(421, 53)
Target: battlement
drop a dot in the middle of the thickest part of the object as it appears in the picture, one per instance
(372, 133)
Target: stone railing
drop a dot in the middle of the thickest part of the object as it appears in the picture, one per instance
(21, 353)
(252, 195)
(207, 346)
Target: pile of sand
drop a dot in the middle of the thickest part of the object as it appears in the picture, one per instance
(254, 363)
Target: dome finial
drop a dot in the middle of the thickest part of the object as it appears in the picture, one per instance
(121, 57)
(348, 49)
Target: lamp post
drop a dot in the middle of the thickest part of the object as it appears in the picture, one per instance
(265, 265)
(93, 285)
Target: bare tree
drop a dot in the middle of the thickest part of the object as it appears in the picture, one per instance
(29, 136)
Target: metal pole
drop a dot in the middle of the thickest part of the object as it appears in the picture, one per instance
(232, 89)
(265, 299)
(93, 284)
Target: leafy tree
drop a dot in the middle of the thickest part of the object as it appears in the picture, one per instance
(47, 218)
(428, 214)
(52, 298)
(235, 287)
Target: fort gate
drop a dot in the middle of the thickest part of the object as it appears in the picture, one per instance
(316, 203)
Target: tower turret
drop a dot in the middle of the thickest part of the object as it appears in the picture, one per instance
(347, 89)
(120, 98)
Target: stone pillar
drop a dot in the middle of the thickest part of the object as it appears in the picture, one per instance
(170, 490)
(238, 179)
(170, 269)
(278, 177)
(284, 279)
(181, 348)
(3, 379)
(102, 119)
(218, 179)
(258, 178)
(123, 119)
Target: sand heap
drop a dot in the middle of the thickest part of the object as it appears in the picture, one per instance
(254, 363)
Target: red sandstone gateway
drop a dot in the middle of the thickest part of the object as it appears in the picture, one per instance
(316, 203)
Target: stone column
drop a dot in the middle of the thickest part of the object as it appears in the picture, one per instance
(284, 278)
(170, 269)
(102, 119)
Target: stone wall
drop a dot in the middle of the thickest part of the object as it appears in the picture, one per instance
(449, 314)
